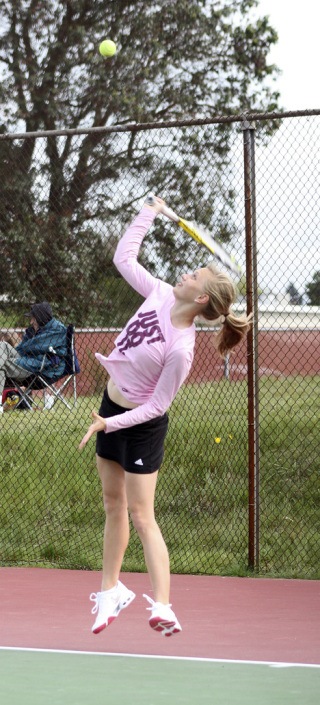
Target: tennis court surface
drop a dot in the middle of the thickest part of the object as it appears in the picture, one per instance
(244, 641)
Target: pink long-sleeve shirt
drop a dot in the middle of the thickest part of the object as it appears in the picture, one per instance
(151, 358)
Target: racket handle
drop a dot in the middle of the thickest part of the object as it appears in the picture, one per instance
(170, 214)
(164, 210)
(150, 200)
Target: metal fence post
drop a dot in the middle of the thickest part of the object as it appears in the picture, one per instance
(252, 349)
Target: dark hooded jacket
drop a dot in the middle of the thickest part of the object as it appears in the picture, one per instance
(35, 345)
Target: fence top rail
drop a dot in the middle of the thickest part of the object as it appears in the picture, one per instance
(244, 118)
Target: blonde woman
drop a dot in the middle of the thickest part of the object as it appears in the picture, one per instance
(150, 361)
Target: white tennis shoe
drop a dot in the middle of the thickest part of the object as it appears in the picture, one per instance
(48, 401)
(162, 619)
(108, 604)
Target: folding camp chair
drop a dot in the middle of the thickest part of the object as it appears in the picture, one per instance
(55, 386)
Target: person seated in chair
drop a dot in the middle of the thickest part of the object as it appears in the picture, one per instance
(44, 341)
(11, 337)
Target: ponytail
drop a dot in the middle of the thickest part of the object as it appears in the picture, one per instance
(222, 293)
(233, 330)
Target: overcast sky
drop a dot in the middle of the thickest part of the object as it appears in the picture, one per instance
(288, 170)
(297, 51)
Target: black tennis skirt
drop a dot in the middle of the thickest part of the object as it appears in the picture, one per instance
(138, 449)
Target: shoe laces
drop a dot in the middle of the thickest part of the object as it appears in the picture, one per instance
(95, 597)
(154, 604)
(98, 598)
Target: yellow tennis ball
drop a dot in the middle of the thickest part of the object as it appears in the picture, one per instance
(107, 48)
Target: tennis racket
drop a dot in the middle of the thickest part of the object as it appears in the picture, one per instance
(202, 236)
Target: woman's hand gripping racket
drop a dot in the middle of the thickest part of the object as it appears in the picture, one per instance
(200, 235)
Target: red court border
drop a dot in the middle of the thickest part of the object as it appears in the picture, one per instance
(255, 619)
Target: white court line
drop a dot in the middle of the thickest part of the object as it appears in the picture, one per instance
(272, 664)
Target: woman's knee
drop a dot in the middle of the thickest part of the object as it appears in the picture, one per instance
(115, 504)
(142, 519)
(113, 486)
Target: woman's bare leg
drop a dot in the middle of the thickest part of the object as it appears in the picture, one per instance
(140, 491)
(116, 532)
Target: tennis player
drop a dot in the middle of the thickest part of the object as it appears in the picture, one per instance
(150, 361)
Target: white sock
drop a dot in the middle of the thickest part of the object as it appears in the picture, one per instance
(111, 590)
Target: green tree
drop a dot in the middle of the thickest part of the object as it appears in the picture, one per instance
(174, 61)
(295, 297)
(313, 290)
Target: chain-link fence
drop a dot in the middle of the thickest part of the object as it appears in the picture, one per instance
(239, 485)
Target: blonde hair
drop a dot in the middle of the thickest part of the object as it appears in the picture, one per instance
(222, 293)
